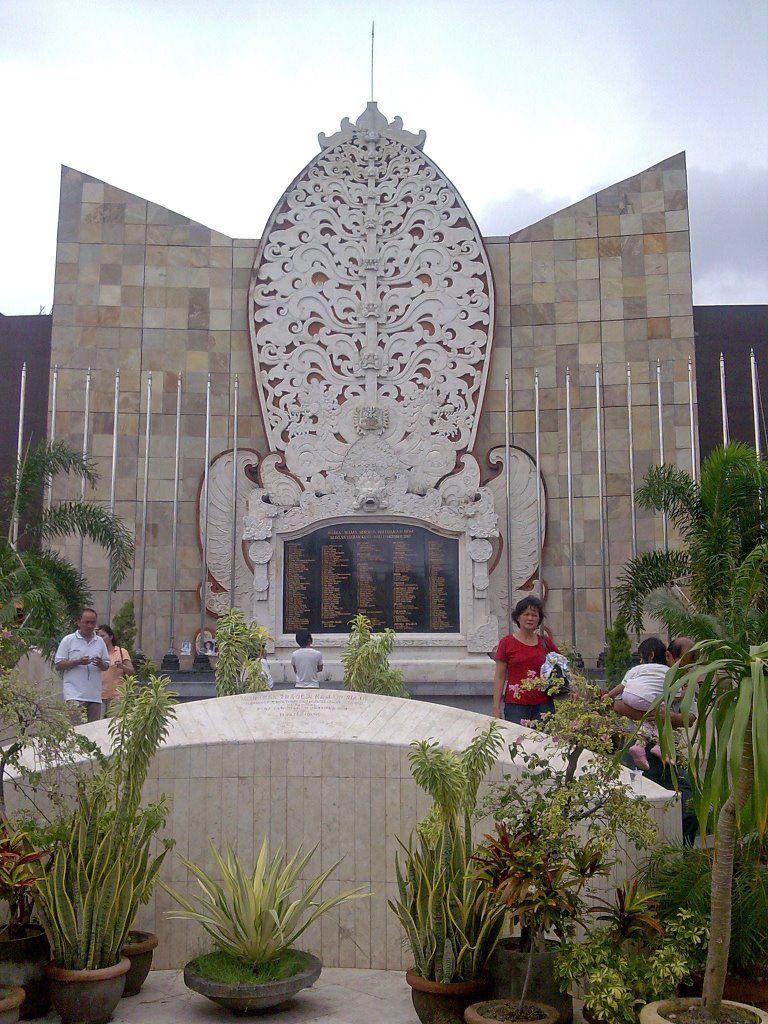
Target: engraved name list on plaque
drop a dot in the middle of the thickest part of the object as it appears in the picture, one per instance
(401, 576)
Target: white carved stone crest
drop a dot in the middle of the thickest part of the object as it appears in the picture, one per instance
(371, 318)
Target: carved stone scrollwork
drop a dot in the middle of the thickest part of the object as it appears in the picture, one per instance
(417, 329)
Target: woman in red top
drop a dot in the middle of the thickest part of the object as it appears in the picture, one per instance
(520, 656)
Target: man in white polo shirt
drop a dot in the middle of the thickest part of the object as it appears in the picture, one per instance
(81, 657)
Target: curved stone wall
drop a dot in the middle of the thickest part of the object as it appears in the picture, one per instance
(311, 767)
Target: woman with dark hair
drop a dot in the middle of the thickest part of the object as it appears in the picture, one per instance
(121, 666)
(520, 656)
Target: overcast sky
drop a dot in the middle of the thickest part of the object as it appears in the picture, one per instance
(212, 108)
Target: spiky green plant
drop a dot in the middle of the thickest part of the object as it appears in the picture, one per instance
(239, 645)
(35, 580)
(366, 660)
(254, 916)
(89, 894)
(451, 921)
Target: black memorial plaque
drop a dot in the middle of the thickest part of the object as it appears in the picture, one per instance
(404, 577)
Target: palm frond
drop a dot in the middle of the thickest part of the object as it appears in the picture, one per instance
(92, 522)
(25, 484)
(645, 574)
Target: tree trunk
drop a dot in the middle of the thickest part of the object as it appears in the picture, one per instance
(722, 885)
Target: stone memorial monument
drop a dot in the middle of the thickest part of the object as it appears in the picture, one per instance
(371, 317)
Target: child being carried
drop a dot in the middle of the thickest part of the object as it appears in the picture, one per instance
(639, 688)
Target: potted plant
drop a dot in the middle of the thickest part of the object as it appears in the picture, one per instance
(539, 883)
(89, 893)
(554, 822)
(239, 645)
(366, 660)
(618, 966)
(253, 919)
(683, 877)
(450, 919)
(38, 761)
(23, 946)
(715, 589)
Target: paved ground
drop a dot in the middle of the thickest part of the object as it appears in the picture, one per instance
(340, 996)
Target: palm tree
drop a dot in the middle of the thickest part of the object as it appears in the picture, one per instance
(715, 589)
(38, 586)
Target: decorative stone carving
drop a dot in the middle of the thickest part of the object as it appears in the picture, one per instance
(523, 512)
(371, 288)
(485, 638)
(479, 550)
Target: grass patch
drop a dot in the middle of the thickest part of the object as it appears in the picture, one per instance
(227, 969)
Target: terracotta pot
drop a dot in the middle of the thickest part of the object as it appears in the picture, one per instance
(437, 1002)
(657, 1013)
(507, 966)
(139, 951)
(87, 997)
(11, 998)
(747, 990)
(247, 998)
(22, 963)
(490, 1012)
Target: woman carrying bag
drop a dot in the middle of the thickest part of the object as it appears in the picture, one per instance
(121, 667)
(520, 656)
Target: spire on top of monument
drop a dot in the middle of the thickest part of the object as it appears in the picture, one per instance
(372, 124)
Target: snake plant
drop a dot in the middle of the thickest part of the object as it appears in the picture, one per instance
(89, 893)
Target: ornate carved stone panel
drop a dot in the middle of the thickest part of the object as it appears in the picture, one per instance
(371, 308)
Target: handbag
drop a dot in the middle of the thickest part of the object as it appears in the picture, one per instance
(555, 672)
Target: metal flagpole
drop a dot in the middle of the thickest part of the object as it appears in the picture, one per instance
(601, 495)
(569, 472)
(724, 400)
(86, 418)
(233, 566)
(19, 453)
(171, 660)
(660, 409)
(508, 492)
(692, 420)
(537, 426)
(755, 401)
(630, 427)
(145, 510)
(201, 658)
(54, 399)
(113, 482)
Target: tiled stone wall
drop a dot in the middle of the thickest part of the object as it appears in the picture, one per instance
(143, 289)
(606, 282)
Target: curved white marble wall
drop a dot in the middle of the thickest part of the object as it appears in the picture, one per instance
(304, 767)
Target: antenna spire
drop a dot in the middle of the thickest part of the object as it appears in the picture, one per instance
(372, 38)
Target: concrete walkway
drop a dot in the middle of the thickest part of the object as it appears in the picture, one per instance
(339, 996)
